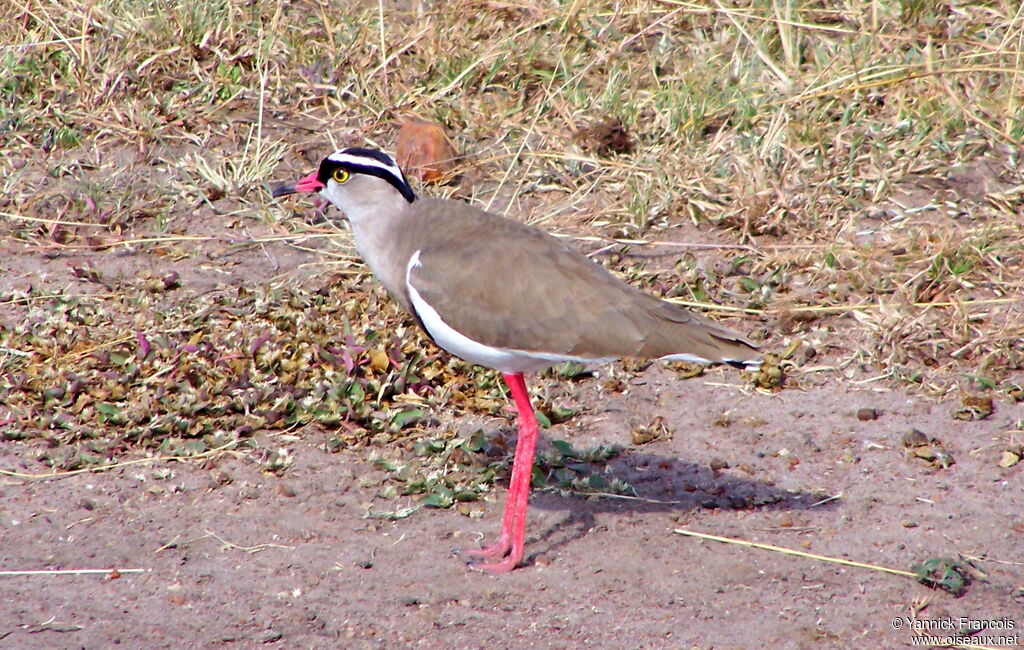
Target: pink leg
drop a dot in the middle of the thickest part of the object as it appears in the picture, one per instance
(508, 551)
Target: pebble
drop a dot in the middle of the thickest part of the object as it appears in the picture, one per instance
(718, 464)
(866, 414)
(270, 636)
(914, 438)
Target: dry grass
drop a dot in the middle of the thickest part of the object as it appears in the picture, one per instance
(855, 171)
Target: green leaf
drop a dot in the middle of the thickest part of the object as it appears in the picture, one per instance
(110, 412)
(561, 414)
(943, 573)
(563, 447)
(564, 476)
(750, 284)
(466, 494)
(442, 497)
(984, 382)
(428, 447)
(393, 515)
(386, 464)
(475, 443)
(406, 418)
(434, 501)
(543, 420)
(356, 393)
(572, 369)
(85, 458)
(699, 293)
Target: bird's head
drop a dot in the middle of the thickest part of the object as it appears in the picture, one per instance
(359, 182)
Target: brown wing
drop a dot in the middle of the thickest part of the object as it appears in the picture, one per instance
(507, 285)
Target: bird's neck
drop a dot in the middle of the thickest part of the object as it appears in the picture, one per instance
(375, 203)
(378, 229)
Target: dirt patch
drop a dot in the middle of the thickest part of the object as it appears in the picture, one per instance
(239, 552)
(238, 557)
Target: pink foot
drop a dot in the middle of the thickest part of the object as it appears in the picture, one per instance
(490, 552)
(503, 566)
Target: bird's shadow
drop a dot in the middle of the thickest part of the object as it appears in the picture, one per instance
(663, 484)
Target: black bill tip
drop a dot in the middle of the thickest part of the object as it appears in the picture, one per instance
(284, 189)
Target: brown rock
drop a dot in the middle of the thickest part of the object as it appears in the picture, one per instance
(424, 150)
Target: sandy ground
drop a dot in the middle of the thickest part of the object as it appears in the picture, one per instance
(234, 557)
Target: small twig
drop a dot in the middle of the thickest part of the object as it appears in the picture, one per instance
(247, 549)
(743, 388)
(391, 56)
(761, 53)
(383, 42)
(105, 468)
(618, 241)
(70, 572)
(80, 521)
(55, 222)
(978, 558)
(46, 626)
(64, 41)
(840, 308)
(827, 499)
(789, 551)
(609, 495)
(171, 544)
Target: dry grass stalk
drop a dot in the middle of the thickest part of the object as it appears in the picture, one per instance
(857, 167)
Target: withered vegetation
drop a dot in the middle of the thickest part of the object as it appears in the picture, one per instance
(848, 175)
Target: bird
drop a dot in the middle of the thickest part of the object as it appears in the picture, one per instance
(501, 294)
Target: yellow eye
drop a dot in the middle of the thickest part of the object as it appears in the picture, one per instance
(340, 175)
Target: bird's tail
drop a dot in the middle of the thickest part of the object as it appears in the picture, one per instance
(681, 335)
